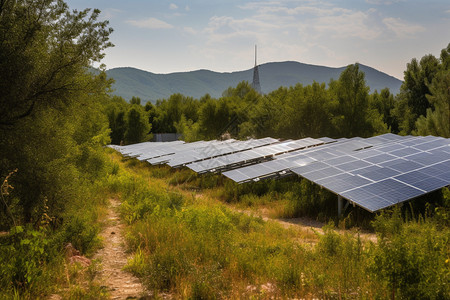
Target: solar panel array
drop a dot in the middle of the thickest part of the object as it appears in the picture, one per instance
(215, 150)
(251, 156)
(373, 173)
(384, 174)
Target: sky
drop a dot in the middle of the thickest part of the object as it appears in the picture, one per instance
(167, 36)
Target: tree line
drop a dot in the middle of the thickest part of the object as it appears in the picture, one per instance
(342, 108)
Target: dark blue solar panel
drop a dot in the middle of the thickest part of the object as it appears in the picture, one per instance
(365, 170)
(340, 160)
(380, 158)
(315, 175)
(404, 152)
(430, 185)
(391, 147)
(392, 197)
(331, 171)
(409, 192)
(359, 181)
(432, 145)
(343, 186)
(406, 166)
(380, 174)
(426, 159)
(441, 150)
(445, 176)
(413, 176)
(357, 194)
(310, 167)
(361, 154)
(391, 162)
(343, 176)
(354, 165)
(413, 141)
(434, 170)
(374, 203)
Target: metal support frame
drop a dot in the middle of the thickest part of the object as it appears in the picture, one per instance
(341, 207)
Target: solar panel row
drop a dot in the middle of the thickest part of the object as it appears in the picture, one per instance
(373, 173)
(251, 155)
(386, 174)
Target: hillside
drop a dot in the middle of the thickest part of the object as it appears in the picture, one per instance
(150, 86)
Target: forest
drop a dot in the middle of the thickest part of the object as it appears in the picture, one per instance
(57, 116)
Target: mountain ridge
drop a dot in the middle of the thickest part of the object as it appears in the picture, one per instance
(150, 86)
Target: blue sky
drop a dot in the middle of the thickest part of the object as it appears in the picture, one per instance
(168, 36)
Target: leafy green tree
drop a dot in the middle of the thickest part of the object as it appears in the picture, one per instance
(315, 112)
(188, 129)
(51, 120)
(352, 105)
(44, 50)
(412, 101)
(135, 100)
(384, 103)
(138, 128)
(116, 110)
(437, 120)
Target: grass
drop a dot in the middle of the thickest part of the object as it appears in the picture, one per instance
(188, 242)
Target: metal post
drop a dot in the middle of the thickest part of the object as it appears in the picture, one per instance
(340, 204)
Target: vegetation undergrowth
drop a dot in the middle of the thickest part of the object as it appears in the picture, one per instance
(189, 244)
(34, 257)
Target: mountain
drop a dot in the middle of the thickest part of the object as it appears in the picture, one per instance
(131, 82)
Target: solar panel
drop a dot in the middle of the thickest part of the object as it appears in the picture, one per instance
(246, 157)
(393, 171)
(220, 150)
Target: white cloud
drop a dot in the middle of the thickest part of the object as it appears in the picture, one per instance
(150, 23)
(349, 24)
(190, 30)
(318, 18)
(173, 6)
(383, 2)
(401, 28)
(110, 13)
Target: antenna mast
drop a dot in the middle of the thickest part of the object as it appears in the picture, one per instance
(255, 83)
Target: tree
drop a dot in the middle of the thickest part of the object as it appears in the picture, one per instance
(51, 122)
(352, 106)
(418, 76)
(135, 100)
(44, 48)
(138, 128)
(437, 120)
(384, 103)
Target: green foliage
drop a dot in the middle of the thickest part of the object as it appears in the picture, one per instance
(384, 103)
(137, 125)
(42, 65)
(52, 132)
(308, 199)
(411, 258)
(23, 256)
(437, 119)
(425, 86)
(352, 112)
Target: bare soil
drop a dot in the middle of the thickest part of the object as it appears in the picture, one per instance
(119, 283)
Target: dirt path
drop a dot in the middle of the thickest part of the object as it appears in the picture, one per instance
(120, 284)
